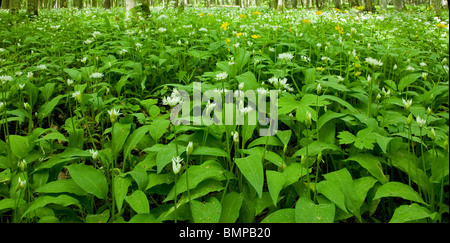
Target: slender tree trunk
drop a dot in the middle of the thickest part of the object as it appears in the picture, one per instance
(32, 7)
(129, 4)
(14, 6)
(369, 6)
(337, 4)
(107, 4)
(5, 4)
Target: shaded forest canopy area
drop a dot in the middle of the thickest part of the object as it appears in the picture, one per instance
(32, 6)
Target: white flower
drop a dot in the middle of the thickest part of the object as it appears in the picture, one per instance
(407, 103)
(395, 67)
(421, 122)
(203, 29)
(123, 51)
(308, 120)
(305, 58)
(271, 49)
(319, 45)
(94, 153)
(221, 76)
(138, 45)
(243, 109)
(87, 42)
(210, 106)
(319, 88)
(22, 183)
(173, 99)
(113, 114)
(374, 62)
(176, 164)
(235, 137)
(29, 74)
(21, 86)
(84, 59)
(285, 56)
(69, 82)
(325, 59)
(96, 75)
(42, 67)
(424, 75)
(236, 45)
(340, 79)
(26, 105)
(262, 91)
(423, 64)
(96, 33)
(409, 68)
(241, 86)
(77, 95)
(5, 78)
(162, 30)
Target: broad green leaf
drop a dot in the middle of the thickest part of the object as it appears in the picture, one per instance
(346, 137)
(371, 164)
(285, 215)
(89, 179)
(133, 140)
(121, 184)
(408, 213)
(293, 173)
(73, 73)
(315, 148)
(231, 205)
(19, 145)
(205, 150)
(328, 116)
(138, 202)
(249, 80)
(158, 128)
(206, 212)
(47, 108)
(408, 80)
(340, 189)
(306, 211)
(284, 136)
(144, 218)
(310, 75)
(42, 201)
(61, 186)
(275, 182)
(252, 169)
(120, 133)
(98, 218)
(196, 174)
(397, 189)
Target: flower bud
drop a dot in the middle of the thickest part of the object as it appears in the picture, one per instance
(319, 157)
(308, 121)
(189, 148)
(410, 119)
(432, 134)
(22, 164)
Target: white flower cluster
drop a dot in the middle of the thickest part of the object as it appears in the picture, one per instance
(286, 56)
(173, 100)
(280, 84)
(374, 62)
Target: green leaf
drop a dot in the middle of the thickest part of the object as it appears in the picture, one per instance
(19, 146)
(231, 205)
(252, 169)
(285, 215)
(158, 128)
(98, 218)
(408, 213)
(315, 148)
(306, 211)
(89, 179)
(371, 164)
(284, 136)
(138, 202)
(47, 108)
(144, 218)
(275, 182)
(121, 184)
(340, 189)
(346, 137)
(397, 189)
(196, 174)
(249, 80)
(328, 116)
(60, 186)
(408, 80)
(310, 75)
(205, 150)
(133, 140)
(42, 201)
(206, 212)
(365, 139)
(120, 133)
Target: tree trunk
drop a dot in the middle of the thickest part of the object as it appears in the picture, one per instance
(5, 4)
(384, 4)
(280, 5)
(32, 7)
(337, 4)
(369, 6)
(129, 4)
(14, 6)
(398, 4)
(107, 4)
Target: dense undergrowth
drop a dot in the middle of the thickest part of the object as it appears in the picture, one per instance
(85, 100)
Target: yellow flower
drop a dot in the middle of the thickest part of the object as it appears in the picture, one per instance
(360, 7)
(256, 36)
(224, 26)
(318, 12)
(306, 21)
(242, 16)
(337, 10)
(256, 13)
(442, 26)
(431, 6)
(350, 17)
(320, 69)
(339, 29)
(239, 34)
(228, 41)
(201, 14)
(210, 15)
